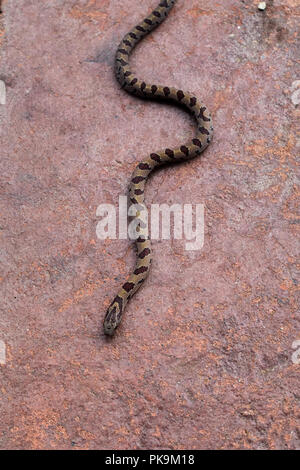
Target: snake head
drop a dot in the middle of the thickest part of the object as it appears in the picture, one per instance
(110, 321)
(112, 317)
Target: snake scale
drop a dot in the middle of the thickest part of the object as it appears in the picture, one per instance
(139, 88)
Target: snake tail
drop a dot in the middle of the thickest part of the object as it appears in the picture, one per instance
(191, 149)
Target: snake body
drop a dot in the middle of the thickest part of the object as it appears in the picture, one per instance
(203, 136)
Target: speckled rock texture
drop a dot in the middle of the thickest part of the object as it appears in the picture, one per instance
(204, 356)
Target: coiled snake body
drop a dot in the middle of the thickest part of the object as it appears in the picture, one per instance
(141, 173)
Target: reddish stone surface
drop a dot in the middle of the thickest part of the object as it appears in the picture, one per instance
(203, 358)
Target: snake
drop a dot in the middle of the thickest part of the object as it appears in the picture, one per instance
(203, 136)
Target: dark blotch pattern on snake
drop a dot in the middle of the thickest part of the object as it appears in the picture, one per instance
(191, 149)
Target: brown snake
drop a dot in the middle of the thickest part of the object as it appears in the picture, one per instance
(141, 173)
